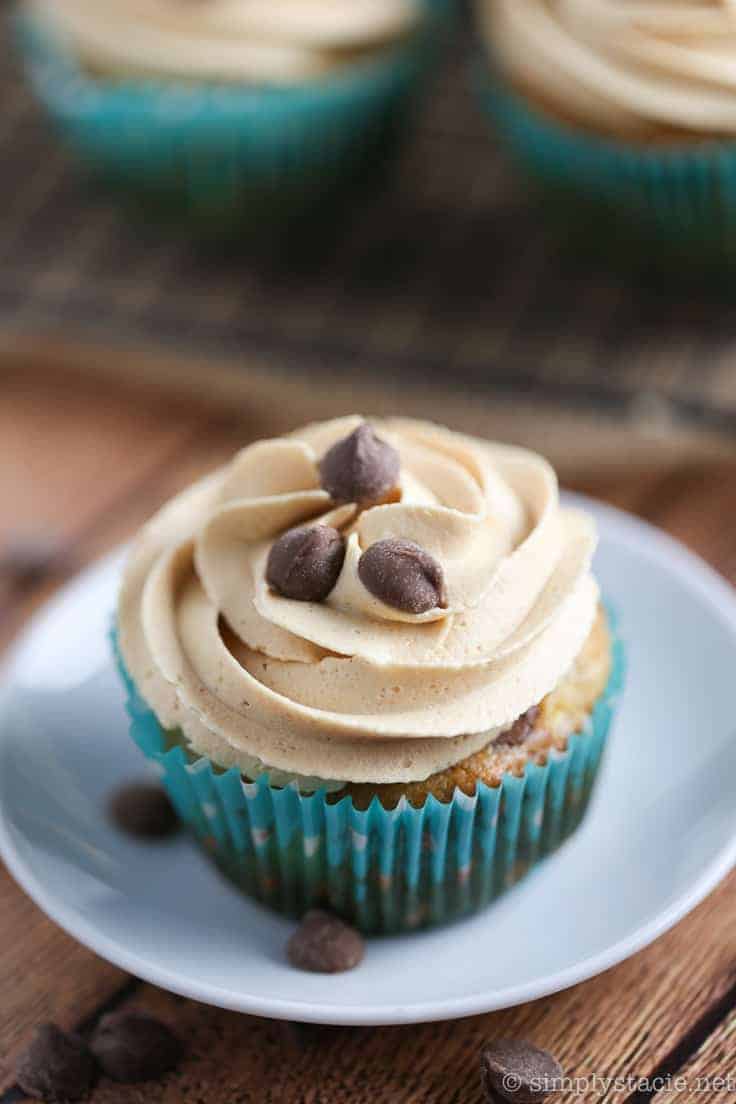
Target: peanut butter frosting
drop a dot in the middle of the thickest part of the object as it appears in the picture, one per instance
(271, 41)
(622, 65)
(351, 688)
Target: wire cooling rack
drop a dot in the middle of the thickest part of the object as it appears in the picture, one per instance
(449, 276)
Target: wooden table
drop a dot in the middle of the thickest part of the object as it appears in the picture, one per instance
(87, 467)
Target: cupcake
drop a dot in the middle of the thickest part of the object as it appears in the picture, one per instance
(373, 667)
(625, 116)
(247, 113)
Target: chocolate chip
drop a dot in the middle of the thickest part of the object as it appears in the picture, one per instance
(132, 1046)
(402, 575)
(56, 1066)
(360, 468)
(304, 563)
(30, 559)
(522, 727)
(514, 1070)
(144, 810)
(324, 944)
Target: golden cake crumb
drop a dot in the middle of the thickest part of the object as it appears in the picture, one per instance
(559, 715)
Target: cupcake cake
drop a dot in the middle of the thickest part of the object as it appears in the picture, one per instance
(372, 664)
(253, 110)
(624, 111)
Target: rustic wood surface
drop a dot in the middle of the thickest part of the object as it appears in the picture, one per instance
(708, 1075)
(80, 468)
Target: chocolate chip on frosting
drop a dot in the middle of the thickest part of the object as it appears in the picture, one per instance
(304, 563)
(132, 1046)
(56, 1066)
(360, 468)
(402, 575)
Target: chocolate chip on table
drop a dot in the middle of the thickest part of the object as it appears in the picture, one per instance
(304, 563)
(324, 944)
(57, 1066)
(402, 575)
(360, 468)
(132, 1046)
(516, 1071)
(143, 809)
(28, 559)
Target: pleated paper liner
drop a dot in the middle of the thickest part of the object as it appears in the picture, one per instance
(385, 870)
(237, 157)
(659, 208)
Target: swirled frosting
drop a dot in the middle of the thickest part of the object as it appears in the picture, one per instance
(633, 66)
(350, 689)
(272, 41)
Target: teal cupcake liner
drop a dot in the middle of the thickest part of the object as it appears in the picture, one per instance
(384, 870)
(648, 204)
(224, 155)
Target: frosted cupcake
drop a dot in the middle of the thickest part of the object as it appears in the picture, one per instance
(625, 112)
(233, 111)
(372, 664)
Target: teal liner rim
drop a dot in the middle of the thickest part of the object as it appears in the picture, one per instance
(386, 870)
(492, 84)
(30, 32)
(218, 157)
(57, 69)
(680, 197)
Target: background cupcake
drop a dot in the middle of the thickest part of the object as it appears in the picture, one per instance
(373, 668)
(233, 112)
(625, 114)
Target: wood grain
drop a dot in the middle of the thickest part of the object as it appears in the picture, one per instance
(710, 1075)
(259, 390)
(670, 1004)
(91, 483)
(66, 456)
(623, 1023)
(44, 975)
(90, 478)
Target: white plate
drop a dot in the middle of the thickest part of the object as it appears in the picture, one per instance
(659, 836)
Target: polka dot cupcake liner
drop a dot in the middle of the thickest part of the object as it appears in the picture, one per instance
(385, 870)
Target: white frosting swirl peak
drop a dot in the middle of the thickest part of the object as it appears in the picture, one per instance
(350, 688)
(271, 41)
(626, 66)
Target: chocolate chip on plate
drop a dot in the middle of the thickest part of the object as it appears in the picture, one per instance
(57, 1066)
(132, 1046)
(402, 575)
(360, 468)
(304, 563)
(143, 809)
(519, 1072)
(324, 944)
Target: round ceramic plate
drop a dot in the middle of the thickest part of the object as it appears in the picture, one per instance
(636, 866)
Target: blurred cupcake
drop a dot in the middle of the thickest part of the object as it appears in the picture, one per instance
(625, 114)
(373, 667)
(233, 112)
